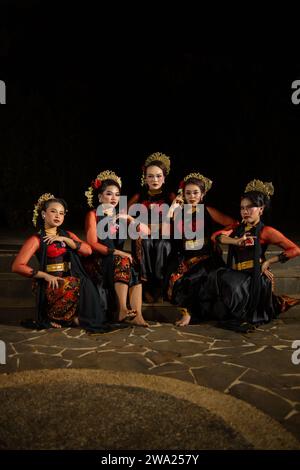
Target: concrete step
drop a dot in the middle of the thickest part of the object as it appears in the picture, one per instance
(7, 257)
(163, 312)
(18, 302)
(13, 286)
(13, 314)
(9, 252)
(15, 311)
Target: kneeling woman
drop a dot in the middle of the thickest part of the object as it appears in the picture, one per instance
(65, 294)
(192, 260)
(244, 290)
(118, 268)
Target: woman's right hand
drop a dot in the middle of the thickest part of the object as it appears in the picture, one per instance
(123, 254)
(53, 281)
(178, 202)
(245, 240)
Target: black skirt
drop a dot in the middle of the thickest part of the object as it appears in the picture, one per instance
(230, 293)
(190, 290)
(155, 253)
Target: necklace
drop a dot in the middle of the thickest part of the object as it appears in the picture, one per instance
(153, 192)
(52, 231)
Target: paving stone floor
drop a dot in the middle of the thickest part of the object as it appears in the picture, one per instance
(256, 367)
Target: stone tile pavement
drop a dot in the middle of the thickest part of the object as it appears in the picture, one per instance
(255, 368)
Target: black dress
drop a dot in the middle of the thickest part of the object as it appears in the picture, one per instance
(240, 292)
(189, 270)
(152, 253)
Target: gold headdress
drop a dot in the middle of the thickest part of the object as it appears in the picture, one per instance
(157, 156)
(38, 206)
(97, 183)
(207, 182)
(257, 185)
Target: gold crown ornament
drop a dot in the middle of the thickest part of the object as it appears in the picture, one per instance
(207, 182)
(97, 183)
(38, 206)
(154, 157)
(257, 185)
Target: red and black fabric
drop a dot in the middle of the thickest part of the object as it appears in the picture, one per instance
(152, 253)
(90, 307)
(245, 295)
(189, 270)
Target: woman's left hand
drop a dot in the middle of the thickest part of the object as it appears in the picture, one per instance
(48, 239)
(124, 217)
(265, 269)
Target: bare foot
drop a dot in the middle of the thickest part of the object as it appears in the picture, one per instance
(55, 325)
(139, 321)
(126, 315)
(186, 318)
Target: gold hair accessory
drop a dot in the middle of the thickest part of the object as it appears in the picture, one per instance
(207, 182)
(97, 183)
(38, 206)
(257, 185)
(157, 156)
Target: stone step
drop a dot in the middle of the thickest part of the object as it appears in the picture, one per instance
(13, 286)
(7, 257)
(13, 314)
(14, 311)
(161, 312)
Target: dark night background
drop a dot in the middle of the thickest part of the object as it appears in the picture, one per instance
(79, 102)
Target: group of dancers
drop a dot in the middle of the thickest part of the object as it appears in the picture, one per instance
(94, 283)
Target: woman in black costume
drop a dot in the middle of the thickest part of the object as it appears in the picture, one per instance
(243, 292)
(66, 296)
(193, 259)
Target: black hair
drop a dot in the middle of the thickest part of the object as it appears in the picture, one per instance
(101, 190)
(44, 207)
(257, 198)
(158, 163)
(57, 200)
(197, 182)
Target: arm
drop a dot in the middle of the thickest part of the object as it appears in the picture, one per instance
(82, 247)
(91, 234)
(20, 264)
(220, 218)
(92, 239)
(224, 237)
(168, 222)
(140, 227)
(172, 196)
(28, 250)
(221, 236)
(133, 200)
(272, 236)
(72, 241)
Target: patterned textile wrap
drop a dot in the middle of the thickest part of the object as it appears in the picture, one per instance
(125, 272)
(62, 303)
(183, 268)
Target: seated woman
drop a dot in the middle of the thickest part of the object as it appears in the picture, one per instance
(193, 259)
(153, 251)
(65, 294)
(118, 268)
(244, 290)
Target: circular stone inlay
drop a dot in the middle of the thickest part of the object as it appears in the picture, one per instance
(66, 415)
